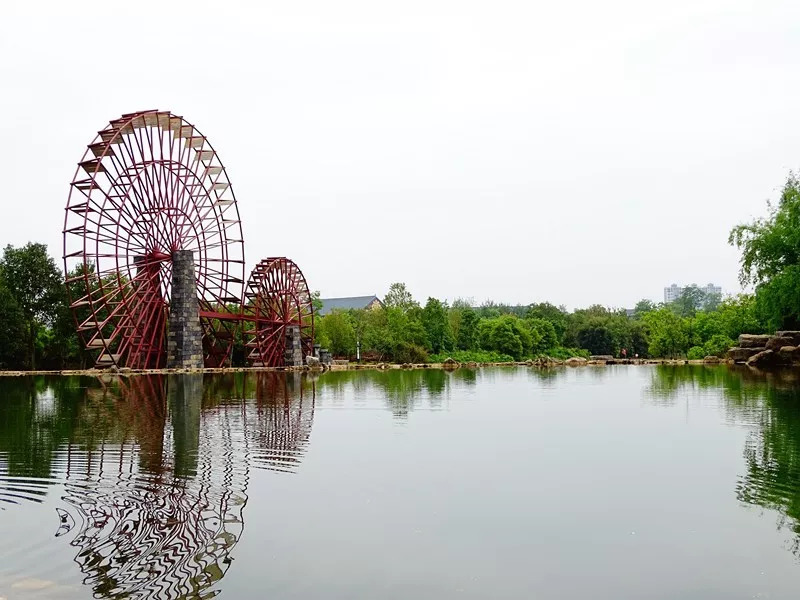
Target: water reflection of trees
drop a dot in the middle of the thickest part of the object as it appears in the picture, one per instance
(155, 469)
(770, 404)
(36, 418)
(402, 390)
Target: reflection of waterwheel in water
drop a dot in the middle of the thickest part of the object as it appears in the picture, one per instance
(283, 420)
(281, 315)
(150, 184)
(142, 531)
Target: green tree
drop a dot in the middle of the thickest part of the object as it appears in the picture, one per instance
(639, 339)
(339, 333)
(316, 302)
(705, 325)
(695, 353)
(506, 334)
(375, 335)
(12, 332)
(406, 326)
(499, 335)
(691, 300)
(739, 315)
(437, 326)
(770, 258)
(669, 335)
(643, 307)
(596, 337)
(543, 332)
(399, 297)
(408, 335)
(489, 309)
(36, 284)
(468, 330)
(394, 334)
(555, 315)
(712, 301)
(718, 345)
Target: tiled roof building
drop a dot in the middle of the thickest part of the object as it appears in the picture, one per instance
(352, 302)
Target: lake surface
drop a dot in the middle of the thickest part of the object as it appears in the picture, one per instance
(611, 482)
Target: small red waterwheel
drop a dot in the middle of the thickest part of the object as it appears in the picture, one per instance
(279, 315)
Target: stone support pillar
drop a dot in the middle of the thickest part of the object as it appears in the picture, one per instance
(293, 353)
(185, 334)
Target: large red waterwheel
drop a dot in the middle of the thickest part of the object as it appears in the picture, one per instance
(150, 184)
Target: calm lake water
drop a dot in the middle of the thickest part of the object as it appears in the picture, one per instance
(616, 482)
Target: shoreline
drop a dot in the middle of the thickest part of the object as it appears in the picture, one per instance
(368, 367)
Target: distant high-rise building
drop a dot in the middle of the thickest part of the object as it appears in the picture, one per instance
(674, 291)
(713, 289)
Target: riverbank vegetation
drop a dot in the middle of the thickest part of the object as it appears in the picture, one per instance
(770, 259)
(694, 326)
(38, 330)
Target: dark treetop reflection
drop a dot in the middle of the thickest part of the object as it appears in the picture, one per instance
(767, 402)
(401, 390)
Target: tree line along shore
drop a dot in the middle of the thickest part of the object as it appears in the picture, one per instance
(38, 330)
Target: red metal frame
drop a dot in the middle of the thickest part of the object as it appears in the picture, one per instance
(150, 184)
(276, 297)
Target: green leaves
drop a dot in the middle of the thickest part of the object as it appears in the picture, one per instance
(437, 325)
(669, 333)
(34, 280)
(543, 335)
(467, 338)
(771, 258)
(337, 333)
(398, 296)
(34, 283)
(12, 333)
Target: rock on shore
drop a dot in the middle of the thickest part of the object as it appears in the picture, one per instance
(740, 355)
(765, 358)
(748, 340)
(575, 361)
(777, 342)
(781, 349)
(793, 335)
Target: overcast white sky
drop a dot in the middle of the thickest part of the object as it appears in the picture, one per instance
(573, 151)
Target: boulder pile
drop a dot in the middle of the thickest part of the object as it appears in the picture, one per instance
(575, 361)
(781, 349)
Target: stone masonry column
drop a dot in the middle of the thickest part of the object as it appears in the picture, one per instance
(185, 334)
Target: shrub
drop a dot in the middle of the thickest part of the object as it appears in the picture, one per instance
(696, 353)
(479, 356)
(405, 352)
(562, 353)
(718, 345)
(543, 335)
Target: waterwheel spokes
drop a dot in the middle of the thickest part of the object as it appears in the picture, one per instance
(148, 185)
(278, 304)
